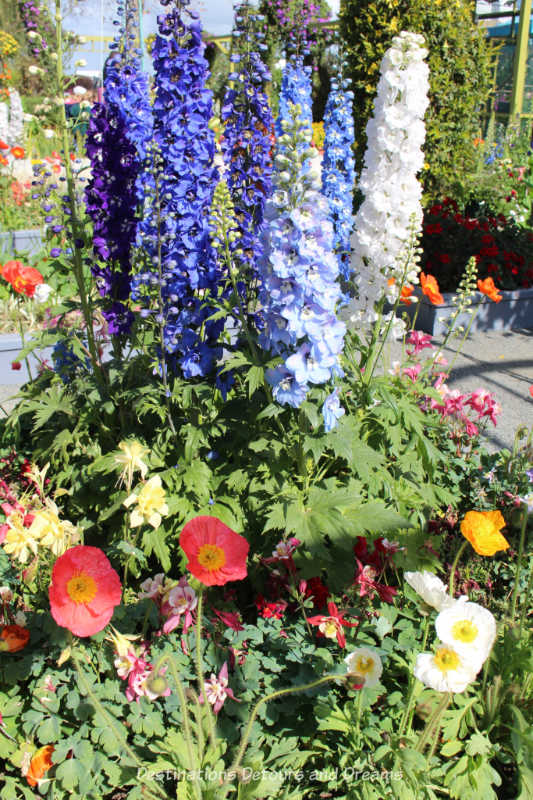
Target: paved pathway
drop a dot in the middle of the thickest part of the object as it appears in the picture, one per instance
(500, 361)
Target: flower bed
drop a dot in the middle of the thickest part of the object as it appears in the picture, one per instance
(236, 560)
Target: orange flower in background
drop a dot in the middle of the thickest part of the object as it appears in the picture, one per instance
(13, 638)
(216, 553)
(482, 530)
(3, 145)
(40, 764)
(23, 279)
(406, 293)
(18, 152)
(84, 591)
(3, 161)
(487, 287)
(430, 288)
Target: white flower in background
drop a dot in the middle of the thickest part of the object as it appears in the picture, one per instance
(445, 670)
(390, 216)
(6, 595)
(364, 663)
(4, 122)
(430, 588)
(80, 63)
(48, 133)
(469, 628)
(42, 292)
(19, 618)
(79, 91)
(33, 69)
(15, 134)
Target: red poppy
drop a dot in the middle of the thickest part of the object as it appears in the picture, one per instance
(84, 591)
(18, 152)
(13, 638)
(23, 279)
(216, 553)
(3, 145)
(40, 764)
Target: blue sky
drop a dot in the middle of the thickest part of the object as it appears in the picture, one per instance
(96, 20)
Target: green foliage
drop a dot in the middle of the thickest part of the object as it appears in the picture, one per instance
(460, 62)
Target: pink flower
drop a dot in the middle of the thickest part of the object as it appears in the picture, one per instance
(180, 602)
(419, 341)
(152, 587)
(217, 689)
(366, 580)
(413, 372)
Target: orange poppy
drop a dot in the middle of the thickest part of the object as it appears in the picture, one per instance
(482, 529)
(3, 145)
(40, 763)
(18, 152)
(3, 161)
(430, 288)
(406, 293)
(13, 638)
(487, 287)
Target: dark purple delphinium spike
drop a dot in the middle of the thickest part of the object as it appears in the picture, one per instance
(247, 142)
(176, 232)
(117, 142)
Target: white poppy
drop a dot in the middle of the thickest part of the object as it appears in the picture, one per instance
(430, 588)
(79, 90)
(364, 662)
(445, 670)
(469, 628)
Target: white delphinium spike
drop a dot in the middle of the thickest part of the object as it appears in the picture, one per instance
(390, 217)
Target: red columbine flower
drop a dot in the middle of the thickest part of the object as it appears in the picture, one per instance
(84, 591)
(13, 638)
(332, 626)
(216, 554)
(365, 579)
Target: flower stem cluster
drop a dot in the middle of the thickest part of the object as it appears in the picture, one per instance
(295, 91)
(246, 146)
(299, 289)
(338, 168)
(391, 212)
(119, 132)
(181, 197)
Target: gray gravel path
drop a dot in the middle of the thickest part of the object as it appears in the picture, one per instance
(500, 361)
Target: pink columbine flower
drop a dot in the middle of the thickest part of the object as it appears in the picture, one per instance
(478, 399)
(230, 619)
(284, 550)
(366, 580)
(152, 587)
(419, 341)
(413, 372)
(180, 602)
(217, 689)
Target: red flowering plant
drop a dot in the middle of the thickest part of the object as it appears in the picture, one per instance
(503, 250)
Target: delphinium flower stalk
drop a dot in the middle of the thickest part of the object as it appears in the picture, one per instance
(299, 290)
(390, 217)
(186, 274)
(338, 168)
(295, 90)
(117, 143)
(246, 145)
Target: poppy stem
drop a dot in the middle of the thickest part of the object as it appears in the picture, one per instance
(199, 669)
(519, 562)
(433, 725)
(454, 567)
(246, 734)
(407, 719)
(186, 727)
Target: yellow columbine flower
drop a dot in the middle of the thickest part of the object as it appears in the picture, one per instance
(151, 505)
(19, 542)
(131, 460)
(482, 529)
(52, 532)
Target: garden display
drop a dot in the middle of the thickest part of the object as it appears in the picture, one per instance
(242, 555)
